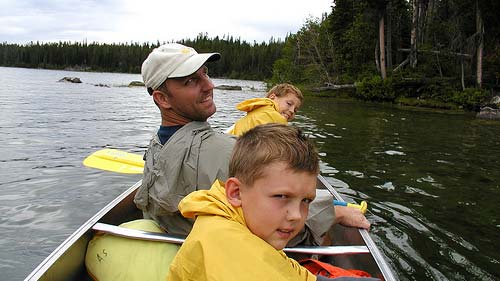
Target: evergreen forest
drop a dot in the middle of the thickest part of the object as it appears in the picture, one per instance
(434, 53)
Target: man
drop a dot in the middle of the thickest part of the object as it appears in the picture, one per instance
(186, 154)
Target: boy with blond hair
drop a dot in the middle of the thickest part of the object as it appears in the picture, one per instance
(242, 225)
(279, 106)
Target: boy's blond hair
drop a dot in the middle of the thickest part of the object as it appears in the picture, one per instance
(271, 143)
(284, 89)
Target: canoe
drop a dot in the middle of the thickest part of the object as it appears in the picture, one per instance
(352, 247)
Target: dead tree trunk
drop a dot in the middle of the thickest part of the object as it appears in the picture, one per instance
(388, 36)
(413, 35)
(429, 18)
(383, 71)
(444, 53)
(420, 21)
(405, 62)
(438, 63)
(462, 78)
(310, 50)
(322, 64)
(479, 51)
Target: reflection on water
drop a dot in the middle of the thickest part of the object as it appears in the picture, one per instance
(431, 180)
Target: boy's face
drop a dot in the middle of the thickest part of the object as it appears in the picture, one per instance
(288, 105)
(275, 207)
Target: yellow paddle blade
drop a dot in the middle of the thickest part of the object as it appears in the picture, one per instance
(115, 160)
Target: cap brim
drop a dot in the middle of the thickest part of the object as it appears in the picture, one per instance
(194, 63)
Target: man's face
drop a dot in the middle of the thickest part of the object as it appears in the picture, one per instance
(192, 96)
(275, 207)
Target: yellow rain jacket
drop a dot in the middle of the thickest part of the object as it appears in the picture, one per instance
(221, 247)
(259, 111)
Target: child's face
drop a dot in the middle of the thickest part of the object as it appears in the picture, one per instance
(288, 105)
(275, 207)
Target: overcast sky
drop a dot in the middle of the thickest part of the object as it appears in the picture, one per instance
(22, 21)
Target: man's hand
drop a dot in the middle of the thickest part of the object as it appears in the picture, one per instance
(351, 217)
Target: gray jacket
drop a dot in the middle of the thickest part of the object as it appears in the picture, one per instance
(192, 159)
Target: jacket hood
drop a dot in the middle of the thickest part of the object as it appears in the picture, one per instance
(210, 202)
(251, 104)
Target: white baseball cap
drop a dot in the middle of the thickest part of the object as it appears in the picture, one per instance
(171, 61)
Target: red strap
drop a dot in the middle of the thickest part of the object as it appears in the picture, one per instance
(325, 269)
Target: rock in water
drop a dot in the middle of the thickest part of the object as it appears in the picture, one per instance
(228, 87)
(489, 113)
(136, 84)
(71, 79)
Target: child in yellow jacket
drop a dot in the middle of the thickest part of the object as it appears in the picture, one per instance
(279, 106)
(243, 225)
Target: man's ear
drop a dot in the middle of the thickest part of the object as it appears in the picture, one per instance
(161, 99)
(272, 96)
(233, 189)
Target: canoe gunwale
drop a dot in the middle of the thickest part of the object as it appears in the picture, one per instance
(377, 255)
(175, 239)
(45, 267)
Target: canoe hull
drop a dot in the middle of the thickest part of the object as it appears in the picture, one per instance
(67, 262)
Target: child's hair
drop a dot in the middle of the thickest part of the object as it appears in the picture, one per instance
(284, 89)
(271, 143)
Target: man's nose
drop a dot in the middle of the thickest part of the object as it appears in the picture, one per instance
(207, 84)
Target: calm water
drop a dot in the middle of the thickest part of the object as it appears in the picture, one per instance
(431, 179)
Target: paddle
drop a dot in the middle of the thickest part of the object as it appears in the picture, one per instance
(115, 160)
(362, 207)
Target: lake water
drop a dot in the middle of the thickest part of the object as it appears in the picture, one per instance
(432, 180)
